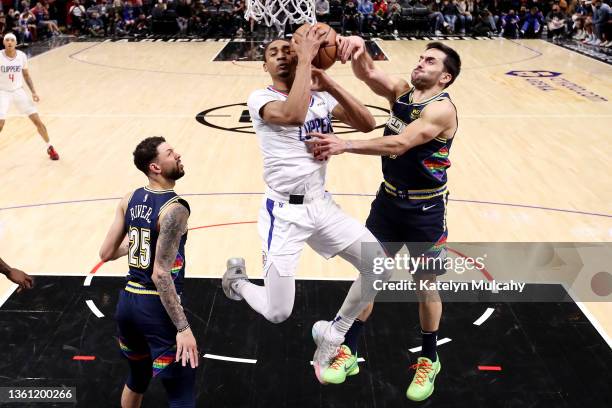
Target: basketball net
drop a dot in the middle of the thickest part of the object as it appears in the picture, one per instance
(279, 12)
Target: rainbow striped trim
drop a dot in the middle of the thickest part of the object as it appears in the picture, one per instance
(178, 265)
(437, 163)
(164, 360)
(129, 353)
(137, 288)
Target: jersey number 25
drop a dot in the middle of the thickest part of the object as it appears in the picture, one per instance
(139, 255)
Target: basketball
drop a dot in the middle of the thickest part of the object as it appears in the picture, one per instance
(326, 56)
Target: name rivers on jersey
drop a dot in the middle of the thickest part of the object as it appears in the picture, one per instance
(141, 211)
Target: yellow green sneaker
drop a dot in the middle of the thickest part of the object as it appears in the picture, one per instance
(343, 365)
(422, 385)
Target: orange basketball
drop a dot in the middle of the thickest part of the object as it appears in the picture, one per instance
(326, 56)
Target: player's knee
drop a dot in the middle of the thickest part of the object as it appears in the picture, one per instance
(278, 316)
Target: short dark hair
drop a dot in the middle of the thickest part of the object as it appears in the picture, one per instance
(268, 46)
(452, 61)
(146, 152)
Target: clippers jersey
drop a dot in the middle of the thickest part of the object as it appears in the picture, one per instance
(141, 223)
(423, 167)
(287, 162)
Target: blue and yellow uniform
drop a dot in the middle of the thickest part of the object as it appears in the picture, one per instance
(410, 206)
(147, 336)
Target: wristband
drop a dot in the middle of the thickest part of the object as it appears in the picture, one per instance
(183, 329)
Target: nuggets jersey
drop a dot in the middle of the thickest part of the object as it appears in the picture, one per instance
(287, 163)
(141, 223)
(11, 71)
(423, 167)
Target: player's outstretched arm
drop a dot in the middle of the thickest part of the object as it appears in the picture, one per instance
(292, 112)
(435, 120)
(349, 109)
(172, 226)
(353, 47)
(115, 244)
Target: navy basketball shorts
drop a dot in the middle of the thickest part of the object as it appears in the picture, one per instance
(420, 224)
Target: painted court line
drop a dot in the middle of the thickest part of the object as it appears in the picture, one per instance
(489, 368)
(234, 359)
(8, 293)
(484, 316)
(439, 343)
(94, 308)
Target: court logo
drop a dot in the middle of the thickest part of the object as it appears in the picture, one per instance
(550, 81)
(236, 118)
(534, 74)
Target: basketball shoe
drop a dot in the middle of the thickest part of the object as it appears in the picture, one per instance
(422, 385)
(236, 270)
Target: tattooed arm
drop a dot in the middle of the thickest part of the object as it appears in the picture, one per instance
(172, 226)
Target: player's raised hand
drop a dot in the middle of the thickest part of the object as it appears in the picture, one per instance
(321, 82)
(323, 145)
(350, 47)
(187, 348)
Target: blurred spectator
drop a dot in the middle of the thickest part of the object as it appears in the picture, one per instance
(183, 14)
(465, 16)
(379, 15)
(27, 26)
(366, 15)
(510, 25)
(555, 21)
(436, 19)
(350, 17)
(95, 25)
(601, 16)
(532, 23)
(129, 16)
(77, 15)
(322, 10)
(451, 14)
(43, 24)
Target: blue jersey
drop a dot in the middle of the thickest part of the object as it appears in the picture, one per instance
(141, 225)
(421, 171)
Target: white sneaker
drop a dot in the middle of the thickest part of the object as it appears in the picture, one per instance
(328, 347)
(608, 44)
(236, 270)
(438, 32)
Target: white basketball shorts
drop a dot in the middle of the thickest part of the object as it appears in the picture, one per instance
(23, 102)
(284, 229)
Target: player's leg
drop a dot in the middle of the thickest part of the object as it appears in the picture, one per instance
(5, 100)
(274, 300)
(427, 224)
(26, 106)
(340, 234)
(283, 229)
(135, 349)
(179, 383)
(381, 225)
(160, 333)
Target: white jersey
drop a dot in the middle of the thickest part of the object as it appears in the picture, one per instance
(287, 162)
(11, 70)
